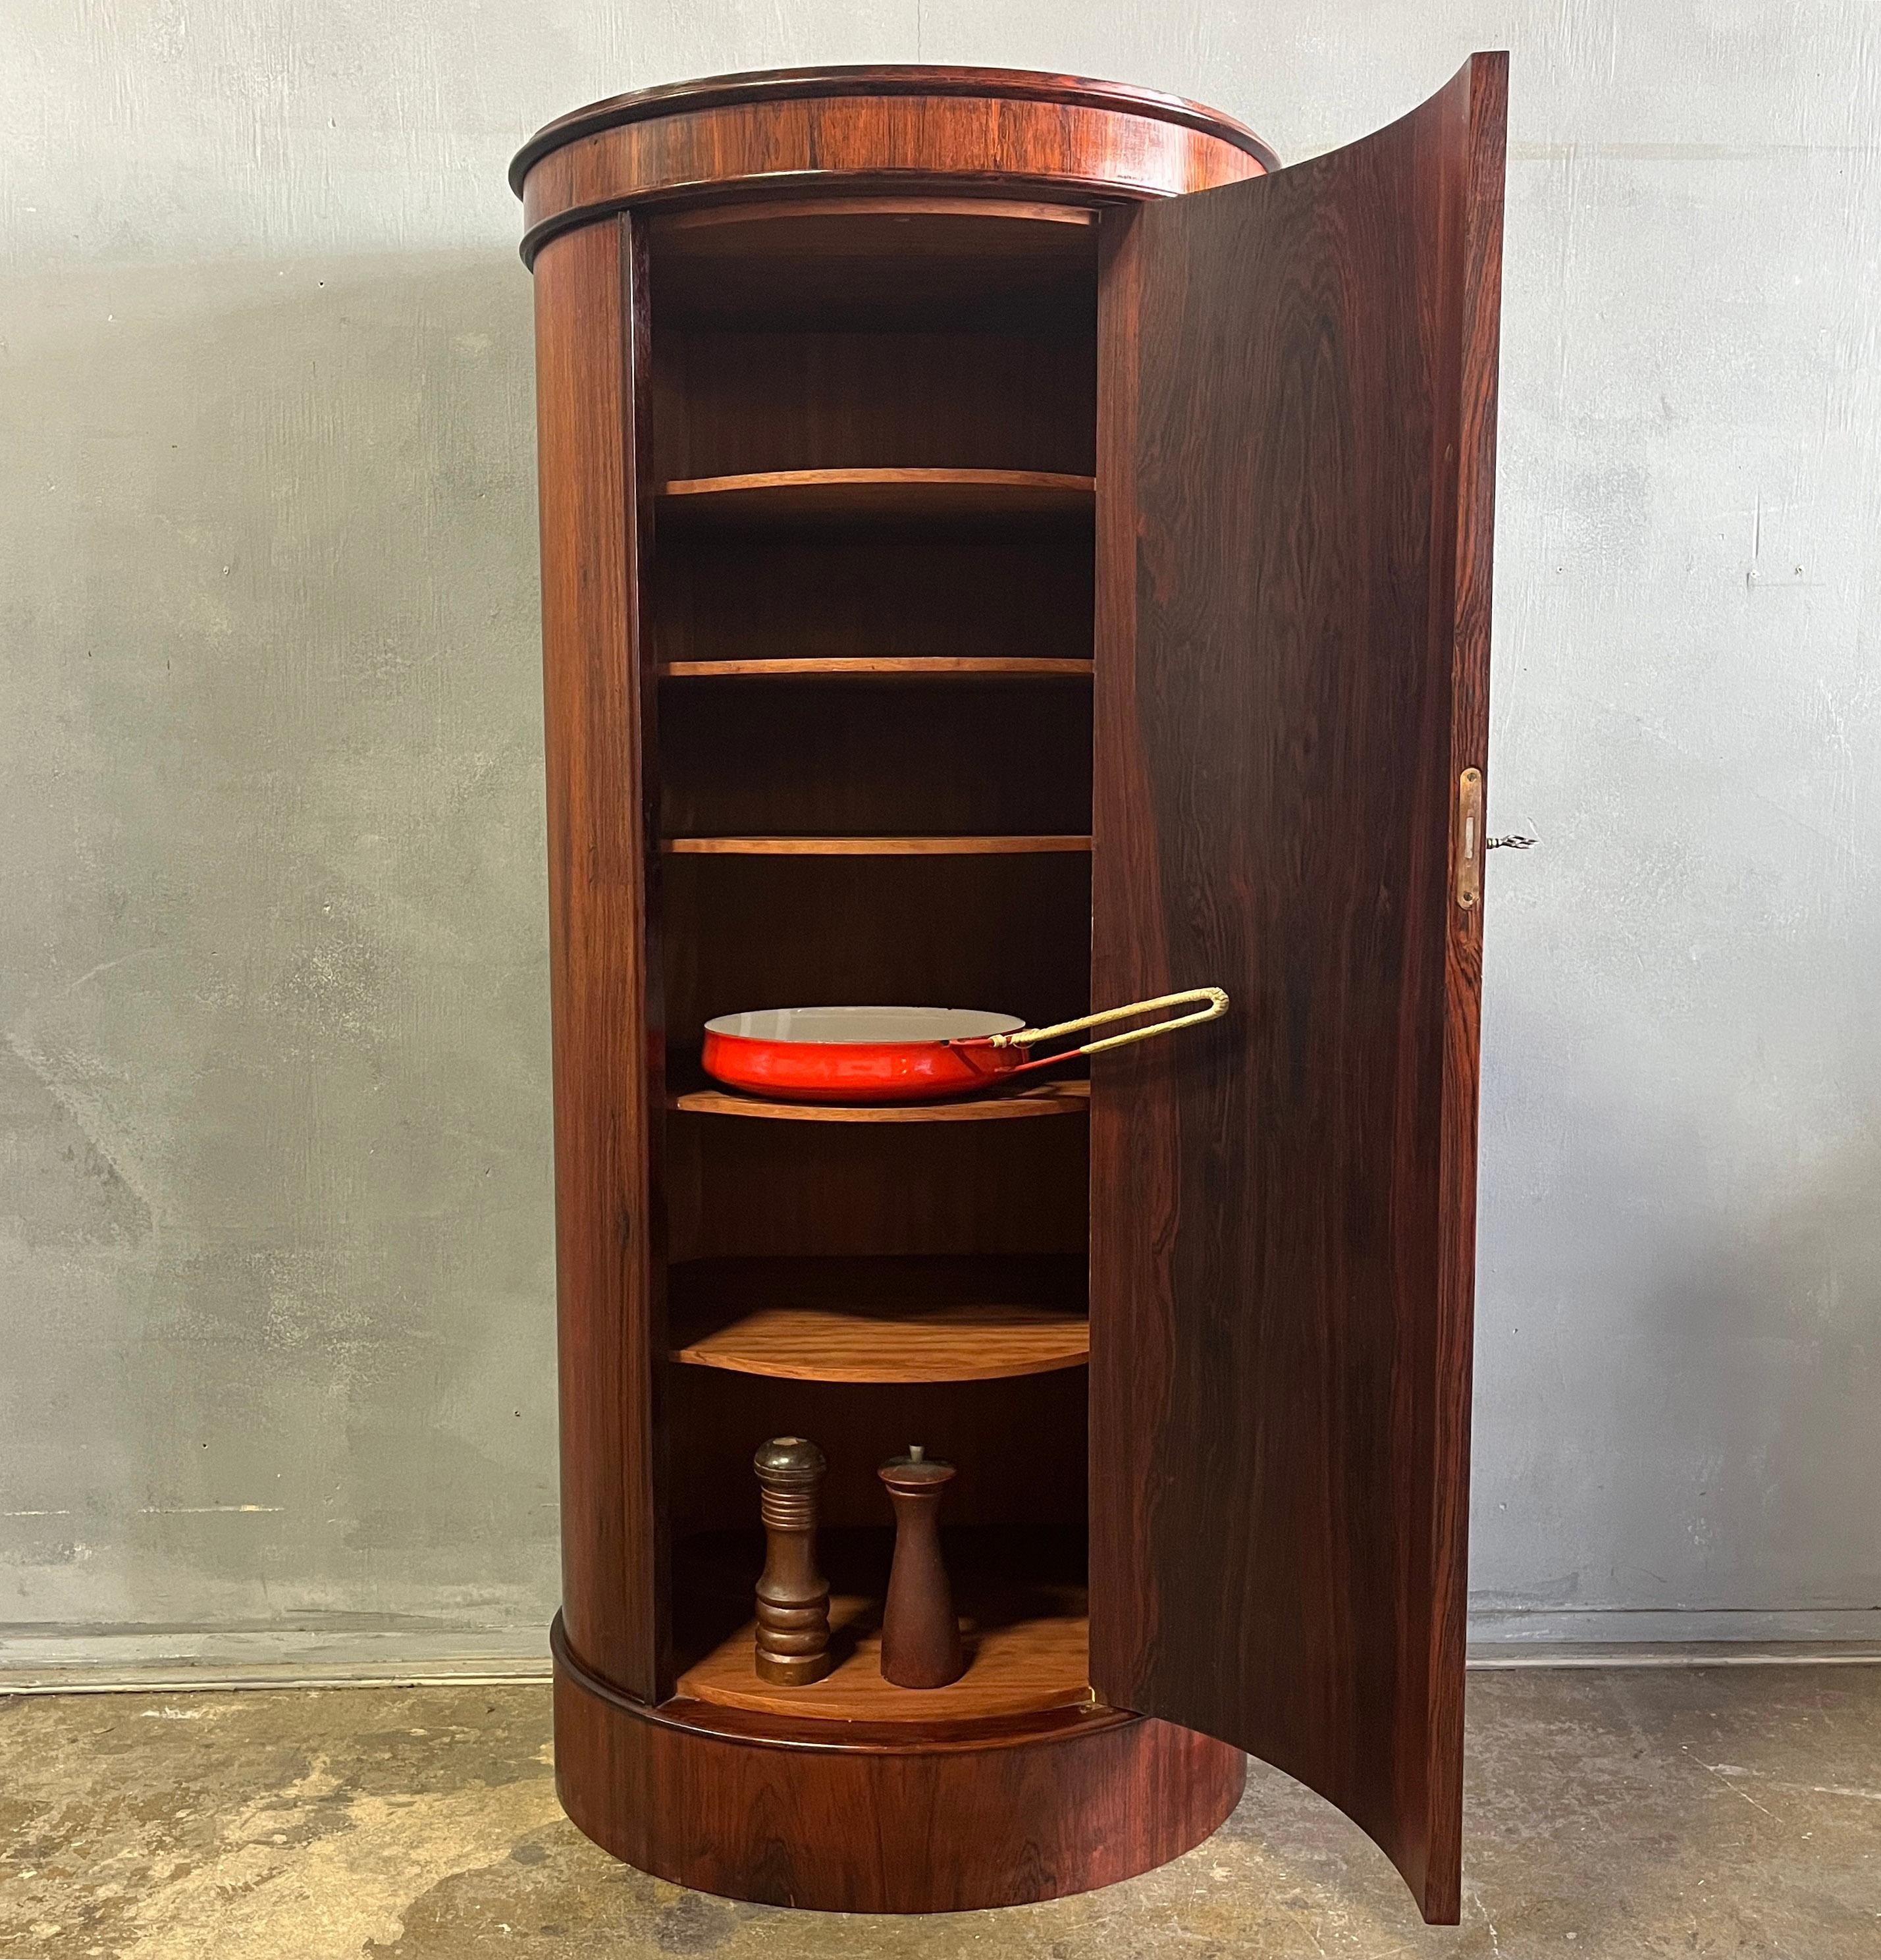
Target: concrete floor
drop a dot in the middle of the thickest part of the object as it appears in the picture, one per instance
(1634, 1812)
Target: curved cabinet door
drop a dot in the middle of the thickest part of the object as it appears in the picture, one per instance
(1295, 458)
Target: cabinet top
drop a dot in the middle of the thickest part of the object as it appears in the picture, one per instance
(975, 130)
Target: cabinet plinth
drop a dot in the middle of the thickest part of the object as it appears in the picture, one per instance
(862, 1817)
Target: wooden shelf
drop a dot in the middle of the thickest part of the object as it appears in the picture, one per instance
(869, 847)
(914, 668)
(1023, 1613)
(1051, 1099)
(899, 1319)
(921, 496)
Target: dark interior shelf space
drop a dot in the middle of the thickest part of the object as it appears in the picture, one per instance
(873, 592)
(882, 260)
(969, 764)
(1014, 400)
(1021, 1442)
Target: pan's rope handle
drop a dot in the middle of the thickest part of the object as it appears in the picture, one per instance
(1215, 1004)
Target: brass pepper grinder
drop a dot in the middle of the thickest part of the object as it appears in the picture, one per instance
(921, 1638)
(793, 1640)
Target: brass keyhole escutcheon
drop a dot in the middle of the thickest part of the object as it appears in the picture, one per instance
(1469, 839)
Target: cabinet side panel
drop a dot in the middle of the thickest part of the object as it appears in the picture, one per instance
(591, 368)
(1295, 449)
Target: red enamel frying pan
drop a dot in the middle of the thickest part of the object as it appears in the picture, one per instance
(909, 1054)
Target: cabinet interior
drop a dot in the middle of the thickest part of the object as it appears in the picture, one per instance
(874, 432)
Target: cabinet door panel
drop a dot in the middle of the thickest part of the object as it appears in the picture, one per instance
(1295, 488)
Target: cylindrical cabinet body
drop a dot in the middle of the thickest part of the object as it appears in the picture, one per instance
(1004, 547)
(817, 413)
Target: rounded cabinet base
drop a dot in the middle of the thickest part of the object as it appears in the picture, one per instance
(891, 1818)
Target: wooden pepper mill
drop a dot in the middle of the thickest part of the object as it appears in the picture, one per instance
(921, 1638)
(793, 1639)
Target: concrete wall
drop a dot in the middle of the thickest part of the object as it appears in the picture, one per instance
(275, 1241)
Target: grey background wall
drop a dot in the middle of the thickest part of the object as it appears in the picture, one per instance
(274, 1245)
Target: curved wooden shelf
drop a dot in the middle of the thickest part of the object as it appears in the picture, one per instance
(1021, 1600)
(869, 847)
(889, 1319)
(1053, 1098)
(1020, 1669)
(923, 496)
(920, 667)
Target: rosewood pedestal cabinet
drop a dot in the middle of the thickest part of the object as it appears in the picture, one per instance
(1006, 543)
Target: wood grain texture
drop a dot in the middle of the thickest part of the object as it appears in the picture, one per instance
(935, 1343)
(895, 1817)
(906, 1319)
(1290, 671)
(873, 131)
(1051, 1099)
(884, 495)
(592, 373)
(922, 81)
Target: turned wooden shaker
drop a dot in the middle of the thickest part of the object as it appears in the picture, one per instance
(793, 1643)
(921, 1638)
